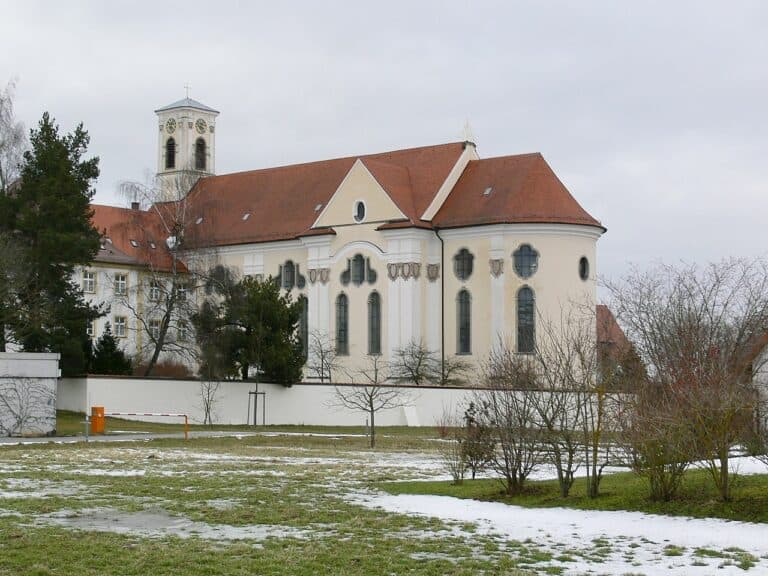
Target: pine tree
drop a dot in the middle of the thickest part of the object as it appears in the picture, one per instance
(107, 357)
(49, 215)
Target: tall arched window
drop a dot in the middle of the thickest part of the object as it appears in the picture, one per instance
(304, 325)
(463, 323)
(170, 153)
(342, 325)
(200, 154)
(289, 275)
(526, 321)
(374, 323)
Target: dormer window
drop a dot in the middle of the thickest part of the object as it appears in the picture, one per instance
(359, 213)
(170, 153)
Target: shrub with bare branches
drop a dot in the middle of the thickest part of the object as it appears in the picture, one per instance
(700, 331)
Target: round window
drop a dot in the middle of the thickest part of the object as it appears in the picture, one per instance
(584, 268)
(359, 211)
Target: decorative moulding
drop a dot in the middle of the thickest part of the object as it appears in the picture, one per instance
(433, 272)
(497, 267)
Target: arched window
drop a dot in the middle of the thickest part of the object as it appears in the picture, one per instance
(358, 269)
(374, 323)
(289, 275)
(170, 153)
(526, 261)
(304, 325)
(200, 154)
(463, 323)
(342, 325)
(526, 321)
(462, 264)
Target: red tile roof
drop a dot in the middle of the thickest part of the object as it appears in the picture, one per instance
(282, 201)
(610, 336)
(120, 226)
(521, 189)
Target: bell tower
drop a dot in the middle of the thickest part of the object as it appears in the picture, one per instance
(186, 145)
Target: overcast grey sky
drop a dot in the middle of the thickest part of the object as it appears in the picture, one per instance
(654, 114)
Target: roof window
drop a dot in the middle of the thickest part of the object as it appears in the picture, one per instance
(199, 220)
(246, 215)
(134, 244)
(487, 191)
(318, 207)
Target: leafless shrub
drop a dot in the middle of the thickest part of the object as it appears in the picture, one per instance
(657, 439)
(507, 409)
(478, 445)
(700, 331)
(322, 359)
(450, 450)
(415, 363)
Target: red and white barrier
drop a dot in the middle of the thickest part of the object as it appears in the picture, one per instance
(164, 414)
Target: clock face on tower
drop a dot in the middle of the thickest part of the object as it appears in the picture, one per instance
(200, 126)
(170, 126)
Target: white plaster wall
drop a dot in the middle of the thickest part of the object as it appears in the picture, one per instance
(28, 393)
(310, 404)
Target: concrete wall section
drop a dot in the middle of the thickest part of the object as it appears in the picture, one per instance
(311, 404)
(28, 393)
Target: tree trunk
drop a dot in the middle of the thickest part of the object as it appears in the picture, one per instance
(373, 427)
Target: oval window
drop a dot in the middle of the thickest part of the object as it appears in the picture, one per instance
(584, 268)
(359, 211)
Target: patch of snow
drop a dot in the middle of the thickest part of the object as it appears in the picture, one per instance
(634, 539)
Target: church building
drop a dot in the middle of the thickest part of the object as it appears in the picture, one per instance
(429, 245)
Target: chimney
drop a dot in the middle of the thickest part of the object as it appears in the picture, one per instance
(134, 205)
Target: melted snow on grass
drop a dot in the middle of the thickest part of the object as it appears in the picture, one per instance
(159, 523)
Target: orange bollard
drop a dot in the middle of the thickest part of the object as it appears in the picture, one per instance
(98, 420)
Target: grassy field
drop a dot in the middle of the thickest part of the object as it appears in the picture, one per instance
(292, 500)
(266, 504)
(698, 497)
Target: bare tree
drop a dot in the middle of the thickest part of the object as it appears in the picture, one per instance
(372, 394)
(418, 364)
(12, 139)
(209, 390)
(175, 263)
(322, 360)
(699, 331)
(26, 406)
(507, 408)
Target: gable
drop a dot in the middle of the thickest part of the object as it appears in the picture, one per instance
(359, 185)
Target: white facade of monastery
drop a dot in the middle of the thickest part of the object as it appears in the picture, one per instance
(430, 245)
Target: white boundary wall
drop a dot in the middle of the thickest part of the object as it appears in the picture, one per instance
(28, 393)
(310, 404)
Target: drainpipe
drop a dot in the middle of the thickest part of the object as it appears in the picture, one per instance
(442, 304)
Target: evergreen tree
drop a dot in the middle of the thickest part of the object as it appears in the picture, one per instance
(107, 357)
(49, 215)
(255, 326)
